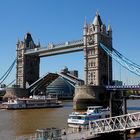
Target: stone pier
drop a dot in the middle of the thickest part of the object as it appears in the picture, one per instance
(15, 92)
(88, 95)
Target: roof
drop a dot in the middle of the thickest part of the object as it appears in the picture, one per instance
(95, 106)
(97, 20)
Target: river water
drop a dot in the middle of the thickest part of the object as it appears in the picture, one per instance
(23, 122)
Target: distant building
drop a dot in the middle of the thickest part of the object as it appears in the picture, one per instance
(72, 72)
(62, 88)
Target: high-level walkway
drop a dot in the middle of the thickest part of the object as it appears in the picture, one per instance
(55, 49)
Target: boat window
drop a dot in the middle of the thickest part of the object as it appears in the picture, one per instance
(97, 111)
(87, 118)
(78, 117)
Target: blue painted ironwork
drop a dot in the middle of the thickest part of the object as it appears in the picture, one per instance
(126, 63)
(123, 87)
(3, 78)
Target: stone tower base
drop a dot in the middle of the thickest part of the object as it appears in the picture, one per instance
(89, 95)
(15, 92)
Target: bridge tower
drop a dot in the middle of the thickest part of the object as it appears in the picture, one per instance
(97, 65)
(27, 67)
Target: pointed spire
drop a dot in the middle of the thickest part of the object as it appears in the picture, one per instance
(18, 41)
(109, 30)
(97, 20)
(39, 43)
(85, 23)
(109, 27)
(85, 30)
(28, 36)
(97, 13)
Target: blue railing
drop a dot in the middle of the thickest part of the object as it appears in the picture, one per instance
(123, 87)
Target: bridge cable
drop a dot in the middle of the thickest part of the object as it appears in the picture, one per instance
(7, 72)
(126, 63)
(11, 83)
(126, 59)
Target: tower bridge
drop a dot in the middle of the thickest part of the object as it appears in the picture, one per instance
(97, 64)
(98, 54)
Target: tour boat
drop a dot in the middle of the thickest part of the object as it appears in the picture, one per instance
(32, 102)
(82, 119)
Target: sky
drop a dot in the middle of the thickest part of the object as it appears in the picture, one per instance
(59, 21)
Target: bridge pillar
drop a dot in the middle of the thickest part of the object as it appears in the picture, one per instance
(15, 91)
(88, 95)
(97, 64)
(117, 103)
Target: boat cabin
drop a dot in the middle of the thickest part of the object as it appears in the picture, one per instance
(94, 109)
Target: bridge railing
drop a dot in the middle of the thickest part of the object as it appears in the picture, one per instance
(53, 46)
(68, 43)
(117, 123)
(123, 87)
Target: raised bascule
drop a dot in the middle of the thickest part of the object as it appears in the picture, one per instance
(98, 53)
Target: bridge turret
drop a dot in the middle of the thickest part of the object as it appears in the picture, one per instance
(85, 31)
(103, 29)
(98, 67)
(85, 27)
(109, 30)
(29, 43)
(97, 22)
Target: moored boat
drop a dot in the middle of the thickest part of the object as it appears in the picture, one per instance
(32, 102)
(82, 119)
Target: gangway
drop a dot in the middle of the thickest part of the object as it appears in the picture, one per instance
(120, 123)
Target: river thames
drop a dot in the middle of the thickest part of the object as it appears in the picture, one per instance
(24, 122)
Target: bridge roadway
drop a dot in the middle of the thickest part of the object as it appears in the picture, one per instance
(52, 49)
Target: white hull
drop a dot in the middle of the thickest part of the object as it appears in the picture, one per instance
(32, 103)
(82, 119)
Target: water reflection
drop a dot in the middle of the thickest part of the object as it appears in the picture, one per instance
(21, 122)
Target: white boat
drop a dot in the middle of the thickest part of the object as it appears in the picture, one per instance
(32, 102)
(82, 119)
